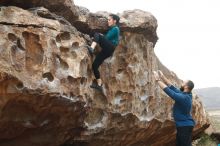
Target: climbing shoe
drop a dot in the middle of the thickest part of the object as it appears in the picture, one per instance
(96, 86)
(90, 49)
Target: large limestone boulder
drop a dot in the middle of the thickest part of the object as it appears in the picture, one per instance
(45, 73)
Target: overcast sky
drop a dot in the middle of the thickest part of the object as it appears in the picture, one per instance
(188, 30)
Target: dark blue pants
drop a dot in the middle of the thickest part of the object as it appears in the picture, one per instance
(184, 136)
(107, 51)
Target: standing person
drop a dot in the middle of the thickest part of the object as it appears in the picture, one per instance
(181, 109)
(108, 43)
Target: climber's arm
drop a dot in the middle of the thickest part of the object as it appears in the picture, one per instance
(174, 95)
(159, 81)
(178, 97)
(168, 82)
(164, 78)
(162, 84)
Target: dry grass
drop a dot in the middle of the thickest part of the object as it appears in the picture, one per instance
(205, 139)
(215, 119)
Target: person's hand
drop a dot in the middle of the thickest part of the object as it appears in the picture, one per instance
(160, 73)
(163, 78)
(156, 76)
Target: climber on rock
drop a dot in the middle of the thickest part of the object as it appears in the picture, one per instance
(108, 43)
(181, 109)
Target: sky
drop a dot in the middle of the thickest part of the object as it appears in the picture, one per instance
(188, 31)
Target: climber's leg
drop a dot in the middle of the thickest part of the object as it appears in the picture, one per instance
(94, 43)
(104, 43)
(184, 136)
(95, 66)
(107, 51)
(97, 62)
(91, 48)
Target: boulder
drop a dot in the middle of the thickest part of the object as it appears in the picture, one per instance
(45, 74)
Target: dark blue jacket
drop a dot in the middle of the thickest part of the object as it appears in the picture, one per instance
(113, 35)
(182, 107)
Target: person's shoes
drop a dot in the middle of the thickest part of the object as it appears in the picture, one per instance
(96, 86)
(90, 49)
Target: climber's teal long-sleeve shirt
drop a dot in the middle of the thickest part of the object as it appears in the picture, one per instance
(182, 107)
(113, 35)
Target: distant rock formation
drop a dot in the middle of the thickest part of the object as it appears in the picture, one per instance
(45, 73)
(210, 97)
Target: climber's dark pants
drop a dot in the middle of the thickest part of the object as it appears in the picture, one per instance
(184, 136)
(107, 51)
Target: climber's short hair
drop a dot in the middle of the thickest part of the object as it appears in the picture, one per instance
(190, 85)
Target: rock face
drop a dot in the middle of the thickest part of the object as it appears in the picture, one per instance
(45, 73)
(61, 7)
